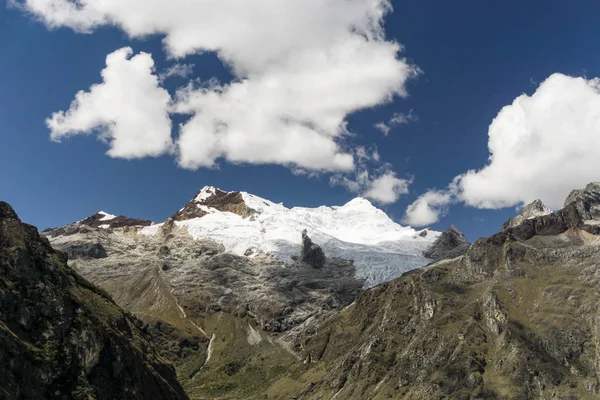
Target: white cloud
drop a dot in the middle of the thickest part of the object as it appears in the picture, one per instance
(387, 188)
(383, 188)
(128, 109)
(541, 146)
(301, 67)
(428, 208)
(371, 178)
(383, 127)
(177, 70)
(396, 120)
(403, 119)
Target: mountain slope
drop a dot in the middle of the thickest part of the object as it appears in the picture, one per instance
(517, 317)
(219, 317)
(63, 338)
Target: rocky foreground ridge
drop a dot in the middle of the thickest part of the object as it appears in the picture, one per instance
(62, 337)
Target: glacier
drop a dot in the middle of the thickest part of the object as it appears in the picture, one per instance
(381, 248)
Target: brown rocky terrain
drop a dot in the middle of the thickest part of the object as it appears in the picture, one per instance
(516, 317)
(62, 337)
(450, 244)
(221, 319)
(219, 200)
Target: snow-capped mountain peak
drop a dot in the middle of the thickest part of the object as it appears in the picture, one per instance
(359, 202)
(206, 192)
(248, 224)
(106, 216)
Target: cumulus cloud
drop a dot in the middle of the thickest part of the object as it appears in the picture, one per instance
(372, 179)
(387, 188)
(300, 67)
(129, 110)
(541, 146)
(428, 208)
(396, 120)
(382, 188)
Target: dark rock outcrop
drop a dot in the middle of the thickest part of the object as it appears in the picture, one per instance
(312, 253)
(121, 221)
(581, 210)
(450, 244)
(86, 250)
(530, 211)
(96, 221)
(586, 201)
(63, 338)
(232, 202)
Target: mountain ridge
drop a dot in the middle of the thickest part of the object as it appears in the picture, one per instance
(515, 317)
(63, 338)
(248, 225)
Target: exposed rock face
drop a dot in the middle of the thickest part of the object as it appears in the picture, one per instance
(586, 201)
(99, 220)
(86, 250)
(312, 253)
(516, 317)
(530, 211)
(63, 338)
(220, 318)
(211, 197)
(450, 244)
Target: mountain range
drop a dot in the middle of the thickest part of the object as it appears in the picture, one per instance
(247, 225)
(248, 299)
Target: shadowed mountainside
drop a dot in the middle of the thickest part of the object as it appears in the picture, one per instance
(63, 338)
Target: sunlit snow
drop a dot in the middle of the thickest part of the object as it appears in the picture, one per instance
(106, 216)
(382, 249)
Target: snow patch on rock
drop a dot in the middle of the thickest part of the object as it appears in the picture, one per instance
(106, 216)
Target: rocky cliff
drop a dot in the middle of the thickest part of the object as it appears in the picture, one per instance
(63, 338)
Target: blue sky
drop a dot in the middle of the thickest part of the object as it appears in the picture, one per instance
(475, 59)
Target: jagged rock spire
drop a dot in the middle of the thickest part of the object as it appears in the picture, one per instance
(312, 253)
